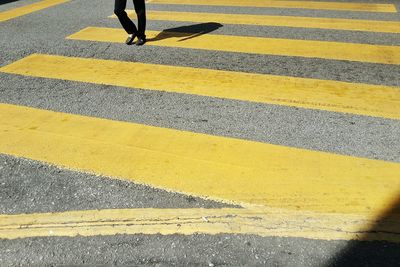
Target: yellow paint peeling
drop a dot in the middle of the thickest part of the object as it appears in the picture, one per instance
(261, 222)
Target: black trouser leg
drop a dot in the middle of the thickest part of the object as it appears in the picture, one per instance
(140, 10)
(119, 11)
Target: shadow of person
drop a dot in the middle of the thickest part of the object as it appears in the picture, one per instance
(368, 251)
(2, 2)
(186, 32)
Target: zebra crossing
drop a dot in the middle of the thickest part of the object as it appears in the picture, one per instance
(286, 4)
(281, 21)
(250, 174)
(176, 160)
(364, 99)
(23, 10)
(254, 45)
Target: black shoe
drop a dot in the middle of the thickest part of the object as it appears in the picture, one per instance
(140, 41)
(130, 39)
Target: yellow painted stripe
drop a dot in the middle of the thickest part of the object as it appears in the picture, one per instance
(363, 99)
(24, 10)
(366, 7)
(283, 21)
(265, 222)
(226, 169)
(254, 45)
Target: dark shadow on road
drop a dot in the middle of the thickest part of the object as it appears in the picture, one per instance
(374, 253)
(2, 2)
(187, 32)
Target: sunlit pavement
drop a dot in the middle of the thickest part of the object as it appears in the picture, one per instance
(246, 132)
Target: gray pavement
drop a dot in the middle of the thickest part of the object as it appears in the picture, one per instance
(196, 250)
(28, 186)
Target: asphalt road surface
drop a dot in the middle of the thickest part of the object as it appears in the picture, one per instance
(244, 133)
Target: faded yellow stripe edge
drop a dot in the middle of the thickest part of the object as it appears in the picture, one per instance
(265, 222)
(89, 171)
(24, 10)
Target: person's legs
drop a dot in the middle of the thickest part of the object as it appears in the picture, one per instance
(119, 11)
(140, 10)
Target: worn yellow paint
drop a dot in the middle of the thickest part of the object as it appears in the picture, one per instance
(225, 169)
(262, 222)
(283, 21)
(366, 7)
(254, 45)
(24, 10)
(363, 99)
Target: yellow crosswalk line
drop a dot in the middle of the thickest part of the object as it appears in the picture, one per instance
(363, 99)
(232, 170)
(283, 21)
(24, 10)
(254, 45)
(262, 222)
(367, 7)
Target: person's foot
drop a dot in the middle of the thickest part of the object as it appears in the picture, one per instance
(141, 41)
(130, 39)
